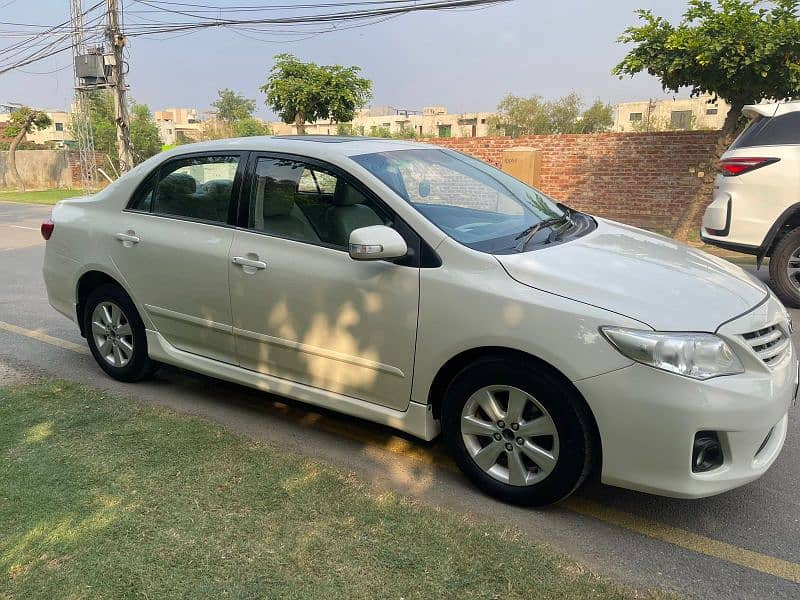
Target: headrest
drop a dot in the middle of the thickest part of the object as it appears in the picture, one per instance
(346, 195)
(177, 184)
(278, 197)
(217, 186)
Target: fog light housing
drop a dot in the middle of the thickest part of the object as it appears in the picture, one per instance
(706, 452)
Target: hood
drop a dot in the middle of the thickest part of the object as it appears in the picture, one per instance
(645, 276)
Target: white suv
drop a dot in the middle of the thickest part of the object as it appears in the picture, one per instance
(756, 205)
(425, 290)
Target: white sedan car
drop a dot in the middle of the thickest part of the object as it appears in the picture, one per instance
(422, 289)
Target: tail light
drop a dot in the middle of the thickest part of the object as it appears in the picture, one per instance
(47, 228)
(731, 167)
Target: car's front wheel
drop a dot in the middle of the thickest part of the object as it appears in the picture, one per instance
(784, 268)
(116, 334)
(517, 431)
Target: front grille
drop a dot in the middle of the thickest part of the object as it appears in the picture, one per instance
(769, 343)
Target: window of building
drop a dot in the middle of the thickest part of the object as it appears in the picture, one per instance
(445, 131)
(712, 111)
(680, 119)
(59, 127)
(635, 117)
(483, 121)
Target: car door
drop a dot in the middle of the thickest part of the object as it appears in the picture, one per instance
(303, 310)
(171, 246)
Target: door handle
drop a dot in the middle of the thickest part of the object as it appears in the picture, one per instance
(249, 263)
(127, 238)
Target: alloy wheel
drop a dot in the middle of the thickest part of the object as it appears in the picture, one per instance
(509, 435)
(112, 333)
(793, 269)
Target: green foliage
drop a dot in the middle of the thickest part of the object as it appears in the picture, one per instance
(145, 138)
(532, 116)
(28, 120)
(597, 118)
(249, 127)
(740, 50)
(101, 116)
(377, 131)
(305, 92)
(232, 106)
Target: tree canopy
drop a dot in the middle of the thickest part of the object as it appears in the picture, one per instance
(26, 120)
(519, 116)
(301, 92)
(740, 50)
(232, 106)
(145, 138)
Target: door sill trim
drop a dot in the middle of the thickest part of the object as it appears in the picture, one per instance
(417, 419)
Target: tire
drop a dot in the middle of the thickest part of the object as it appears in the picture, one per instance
(124, 356)
(788, 292)
(537, 479)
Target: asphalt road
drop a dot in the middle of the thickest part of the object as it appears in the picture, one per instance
(742, 544)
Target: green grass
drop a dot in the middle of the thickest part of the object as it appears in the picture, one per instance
(102, 497)
(39, 197)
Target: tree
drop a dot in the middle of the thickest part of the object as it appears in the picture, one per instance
(145, 138)
(250, 127)
(24, 120)
(521, 116)
(740, 50)
(533, 116)
(306, 92)
(599, 117)
(232, 106)
(564, 113)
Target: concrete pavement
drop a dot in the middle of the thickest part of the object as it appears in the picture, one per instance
(743, 544)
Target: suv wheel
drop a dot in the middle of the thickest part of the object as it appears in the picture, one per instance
(116, 334)
(784, 268)
(517, 431)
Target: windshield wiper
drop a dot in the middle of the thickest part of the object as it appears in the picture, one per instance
(526, 236)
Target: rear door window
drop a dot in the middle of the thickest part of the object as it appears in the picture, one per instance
(199, 187)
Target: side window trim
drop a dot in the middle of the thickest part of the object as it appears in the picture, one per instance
(236, 189)
(413, 239)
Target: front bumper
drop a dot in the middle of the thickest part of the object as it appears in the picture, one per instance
(648, 418)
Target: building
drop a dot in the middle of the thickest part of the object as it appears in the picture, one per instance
(432, 121)
(178, 124)
(57, 134)
(671, 114)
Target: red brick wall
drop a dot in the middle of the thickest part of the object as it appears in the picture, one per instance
(644, 179)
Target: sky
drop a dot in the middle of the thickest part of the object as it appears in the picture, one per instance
(466, 61)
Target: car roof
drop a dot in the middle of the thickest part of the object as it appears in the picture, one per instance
(312, 145)
(771, 109)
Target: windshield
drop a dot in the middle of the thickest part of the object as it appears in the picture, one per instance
(472, 202)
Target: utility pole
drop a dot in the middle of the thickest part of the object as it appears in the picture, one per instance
(116, 41)
(81, 113)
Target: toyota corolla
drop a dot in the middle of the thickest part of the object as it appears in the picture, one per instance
(425, 290)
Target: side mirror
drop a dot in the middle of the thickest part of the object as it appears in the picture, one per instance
(377, 242)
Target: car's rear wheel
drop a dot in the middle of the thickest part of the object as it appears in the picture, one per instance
(116, 334)
(517, 431)
(784, 268)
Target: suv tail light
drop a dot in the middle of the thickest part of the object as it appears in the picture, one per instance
(47, 228)
(731, 167)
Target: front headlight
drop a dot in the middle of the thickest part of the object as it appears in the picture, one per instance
(695, 355)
